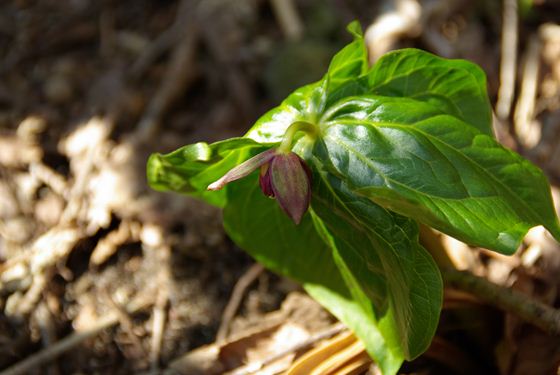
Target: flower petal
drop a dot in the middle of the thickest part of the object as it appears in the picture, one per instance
(291, 184)
(243, 169)
(264, 181)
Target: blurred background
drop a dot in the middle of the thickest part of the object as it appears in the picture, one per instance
(99, 274)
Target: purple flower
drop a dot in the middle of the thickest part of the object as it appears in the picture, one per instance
(283, 175)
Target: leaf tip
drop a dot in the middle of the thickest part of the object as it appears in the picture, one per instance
(154, 166)
(216, 185)
(355, 29)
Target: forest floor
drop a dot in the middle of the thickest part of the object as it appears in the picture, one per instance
(100, 274)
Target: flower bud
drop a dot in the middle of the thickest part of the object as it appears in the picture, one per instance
(288, 179)
(283, 175)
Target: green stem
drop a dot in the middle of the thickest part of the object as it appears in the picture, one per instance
(288, 140)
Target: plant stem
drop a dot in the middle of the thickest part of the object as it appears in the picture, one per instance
(288, 139)
(514, 302)
(522, 305)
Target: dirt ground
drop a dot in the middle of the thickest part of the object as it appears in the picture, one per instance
(120, 279)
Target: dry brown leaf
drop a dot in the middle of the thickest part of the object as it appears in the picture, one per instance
(268, 346)
(356, 365)
(258, 354)
(313, 358)
(245, 354)
(341, 355)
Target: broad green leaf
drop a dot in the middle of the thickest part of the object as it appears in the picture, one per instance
(350, 63)
(440, 171)
(356, 310)
(308, 102)
(411, 136)
(374, 108)
(304, 104)
(190, 169)
(456, 86)
(257, 225)
(382, 258)
(360, 319)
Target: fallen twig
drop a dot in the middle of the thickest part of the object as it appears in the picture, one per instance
(222, 52)
(528, 133)
(47, 328)
(288, 18)
(177, 77)
(49, 177)
(158, 326)
(159, 315)
(508, 63)
(50, 353)
(32, 295)
(44, 253)
(509, 300)
(162, 43)
(236, 296)
(107, 246)
(126, 322)
(254, 367)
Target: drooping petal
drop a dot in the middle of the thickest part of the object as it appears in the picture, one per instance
(307, 172)
(243, 169)
(265, 182)
(291, 184)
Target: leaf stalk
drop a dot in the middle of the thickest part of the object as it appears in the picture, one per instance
(309, 129)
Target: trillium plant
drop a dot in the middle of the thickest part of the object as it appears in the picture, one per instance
(353, 163)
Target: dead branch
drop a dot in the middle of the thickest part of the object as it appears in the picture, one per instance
(508, 64)
(158, 326)
(253, 368)
(49, 177)
(287, 15)
(125, 322)
(52, 352)
(162, 43)
(235, 300)
(528, 132)
(178, 75)
(509, 300)
(159, 316)
(47, 328)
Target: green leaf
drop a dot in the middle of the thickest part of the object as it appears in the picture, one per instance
(374, 108)
(350, 63)
(438, 170)
(457, 86)
(190, 169)
(308, 102)
(256, 224)
(381, 257)
(411, 136)
(304, 104)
